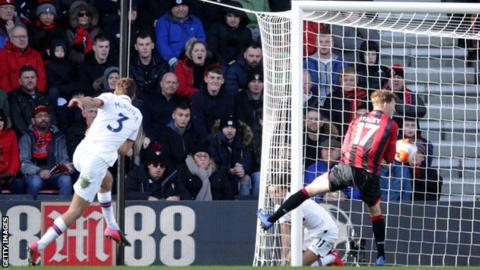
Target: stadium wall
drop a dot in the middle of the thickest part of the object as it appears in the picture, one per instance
(223, 233)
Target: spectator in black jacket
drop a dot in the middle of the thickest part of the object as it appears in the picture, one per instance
(153, 179)
(371, 75)
(409, 103)
(23, 100)
(236, 75)
(157, 109)
(427, 183)
(200, 179)
(249, 102)
(211, 103)
(147, 67)
(95, 63)
(229, 38)
(178, 135)
(229, 147)
(61, 74)
(44, 29)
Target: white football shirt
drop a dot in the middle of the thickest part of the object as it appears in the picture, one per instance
(117, 121)
(316, 219)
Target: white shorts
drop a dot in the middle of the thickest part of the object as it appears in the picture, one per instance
(320, 244)
(92, 171)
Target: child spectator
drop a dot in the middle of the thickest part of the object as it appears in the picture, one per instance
(191, 67)
(108, 81)
(230, 37)
(61, 74)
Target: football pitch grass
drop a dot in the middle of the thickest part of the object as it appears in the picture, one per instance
(240, 267)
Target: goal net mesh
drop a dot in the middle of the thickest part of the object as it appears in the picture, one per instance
(431, 61)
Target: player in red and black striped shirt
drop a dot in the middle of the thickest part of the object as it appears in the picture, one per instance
(370, 140)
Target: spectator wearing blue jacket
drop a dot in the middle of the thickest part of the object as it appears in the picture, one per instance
(175, 28)
(236, 76)
(329, 155)
(325, 66)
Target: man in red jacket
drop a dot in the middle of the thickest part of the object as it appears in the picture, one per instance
(370, 140)
(16, 54)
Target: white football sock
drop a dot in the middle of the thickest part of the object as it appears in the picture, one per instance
(105, 200)
(52, 233)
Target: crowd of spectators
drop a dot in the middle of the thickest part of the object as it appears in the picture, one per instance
(199, 72)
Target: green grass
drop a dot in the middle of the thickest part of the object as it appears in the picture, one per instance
(236, 268)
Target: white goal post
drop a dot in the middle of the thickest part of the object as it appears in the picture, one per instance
(423, 37)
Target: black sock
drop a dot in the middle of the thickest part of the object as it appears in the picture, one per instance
(378, 227)
(291, 203)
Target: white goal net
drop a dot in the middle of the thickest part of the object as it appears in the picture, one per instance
(321, 75)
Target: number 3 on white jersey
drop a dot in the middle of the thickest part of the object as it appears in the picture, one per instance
(120, 120)
(372, 128)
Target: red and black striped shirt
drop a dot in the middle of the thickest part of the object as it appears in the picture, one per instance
(370, 138)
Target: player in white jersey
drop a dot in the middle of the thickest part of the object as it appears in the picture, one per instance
(114, 130)
(321, 232)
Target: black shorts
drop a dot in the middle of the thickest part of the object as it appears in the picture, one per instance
(342, 176)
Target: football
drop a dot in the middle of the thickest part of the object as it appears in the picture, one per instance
(406, 151)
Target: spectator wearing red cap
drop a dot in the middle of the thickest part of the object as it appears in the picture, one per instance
(175, 28)
(24, 99)
(17, 53)
(409, 104)
(43, 146)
